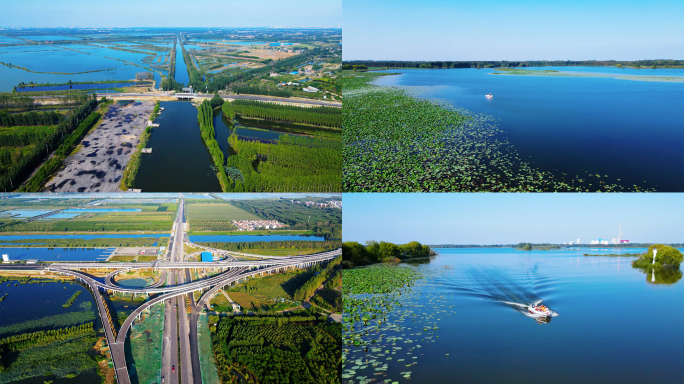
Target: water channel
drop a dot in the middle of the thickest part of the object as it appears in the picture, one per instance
(179, 160)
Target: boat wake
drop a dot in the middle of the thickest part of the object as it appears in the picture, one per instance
(504, 290)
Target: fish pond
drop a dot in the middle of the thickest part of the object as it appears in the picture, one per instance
(598, 124)
(461, 317)
(58, 254)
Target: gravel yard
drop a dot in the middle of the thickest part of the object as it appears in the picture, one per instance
(104, 153)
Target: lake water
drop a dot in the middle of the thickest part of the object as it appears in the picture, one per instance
(33, 301)
(627, 130)
(251, 238)
(179, 160)
(58, 254)
(74, 86)
(611, 326)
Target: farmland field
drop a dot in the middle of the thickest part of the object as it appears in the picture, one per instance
(219, 212)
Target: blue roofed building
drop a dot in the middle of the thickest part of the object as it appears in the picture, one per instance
(207, 257)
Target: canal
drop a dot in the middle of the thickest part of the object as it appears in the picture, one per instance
(179, 161)
(181, 69)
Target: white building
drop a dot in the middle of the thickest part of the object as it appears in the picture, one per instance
(310, 89)
(5, 258)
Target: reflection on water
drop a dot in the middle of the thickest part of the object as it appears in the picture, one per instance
(662, 276)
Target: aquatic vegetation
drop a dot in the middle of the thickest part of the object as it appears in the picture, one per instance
(65, 357)
(384, 322)
(72, 299)
(379, 278)
(395, 142)
(83, 316)
(536, 72)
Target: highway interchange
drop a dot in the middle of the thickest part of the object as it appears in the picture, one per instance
(179, 365)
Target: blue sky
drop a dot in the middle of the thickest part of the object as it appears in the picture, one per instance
(508, 218)
(169, 13)
(513, 30)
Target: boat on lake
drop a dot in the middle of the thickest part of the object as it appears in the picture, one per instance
(489, 96)
(541, 311)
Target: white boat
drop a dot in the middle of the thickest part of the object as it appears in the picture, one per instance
(539, 310)
(489, 96)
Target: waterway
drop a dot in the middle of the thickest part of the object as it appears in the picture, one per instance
(181, 69)
(629, 132)
(179, 160)
(454, 325)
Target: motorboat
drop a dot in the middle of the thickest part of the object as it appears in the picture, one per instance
(489, 96)
(539, 310)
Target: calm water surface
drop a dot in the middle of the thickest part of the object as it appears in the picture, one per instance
(614, 325)
(58, 254)
(179, 160)
(627, 130)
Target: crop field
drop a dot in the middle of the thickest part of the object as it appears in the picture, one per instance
(218, 212)
(396, 142)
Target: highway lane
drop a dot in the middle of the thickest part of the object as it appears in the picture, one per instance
(170, 338)
(301, 261)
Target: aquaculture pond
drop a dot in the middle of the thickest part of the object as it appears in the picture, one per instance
(461, 317)
(87, 237)
(251, 238)
(42, 64)
(58, 254)
(179, 160)
(602, 129)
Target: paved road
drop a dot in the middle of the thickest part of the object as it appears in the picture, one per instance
(242, 97)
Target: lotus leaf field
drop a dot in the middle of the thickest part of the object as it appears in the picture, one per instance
(396, 142)
(383, 324)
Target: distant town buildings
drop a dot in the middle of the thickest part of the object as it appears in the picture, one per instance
(328, 204)
(253, 225)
